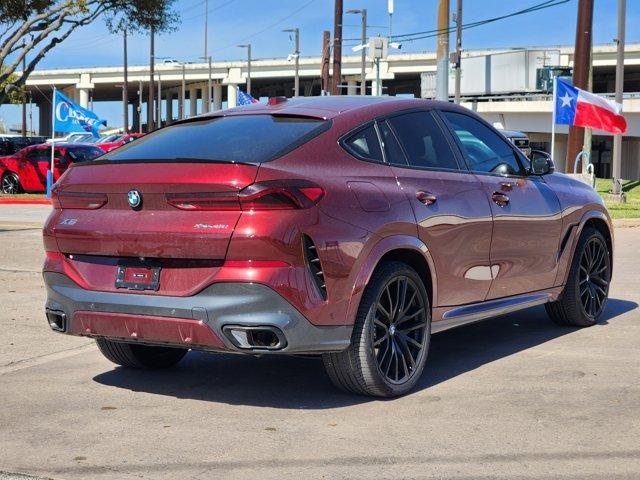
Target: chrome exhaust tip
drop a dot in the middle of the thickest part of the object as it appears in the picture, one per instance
(255, 337)
(57, 320)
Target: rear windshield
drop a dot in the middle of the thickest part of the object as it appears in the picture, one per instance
(83, 154)
(235, 139)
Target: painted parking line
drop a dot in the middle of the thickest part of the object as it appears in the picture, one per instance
(21, 226)
(49, 357)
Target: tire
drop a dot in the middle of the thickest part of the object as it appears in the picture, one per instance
(585, 295)
(140, 356)
(367, 367)
(10, 183)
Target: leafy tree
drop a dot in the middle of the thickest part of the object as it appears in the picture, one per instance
(14, 94)
(35, 27)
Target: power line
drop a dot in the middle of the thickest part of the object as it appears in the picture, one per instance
(211, 10)
(410, 37)
(268, 27)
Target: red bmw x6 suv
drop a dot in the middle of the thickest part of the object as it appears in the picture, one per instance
(347, 227)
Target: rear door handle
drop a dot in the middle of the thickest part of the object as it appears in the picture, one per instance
(426, 198)
(500, 199)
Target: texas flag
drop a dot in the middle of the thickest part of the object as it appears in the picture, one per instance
(584, 109)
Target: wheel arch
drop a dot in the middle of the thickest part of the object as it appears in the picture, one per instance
(597, 219)
(403, 248)
(605, 229)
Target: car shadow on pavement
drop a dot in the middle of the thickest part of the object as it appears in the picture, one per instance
(301, 383)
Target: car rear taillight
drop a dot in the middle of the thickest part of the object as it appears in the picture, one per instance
(78, 200)
(269, 195)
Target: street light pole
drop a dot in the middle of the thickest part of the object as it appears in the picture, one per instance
(159, 105)
(209, 88)
(363, 58)
(183, 95)
(363, 40)
(442, 66)
(248, 47)
(139, 106)
(24, 99)
(458, 49)
(617, 139)
(151, 96)
(296, 56)
(125, 86)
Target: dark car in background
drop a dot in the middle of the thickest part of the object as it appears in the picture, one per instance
(10, 144)
(26, 170)
(350, 228)
(519, 139)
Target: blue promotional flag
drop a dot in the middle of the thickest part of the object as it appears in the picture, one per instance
(71, 117)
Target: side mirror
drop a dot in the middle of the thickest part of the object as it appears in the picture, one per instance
(542, 165)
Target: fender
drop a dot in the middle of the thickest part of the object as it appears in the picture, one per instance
(382, 247)
(566, 257)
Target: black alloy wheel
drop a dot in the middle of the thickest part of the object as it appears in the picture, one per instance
(391, 334)
(10, 183)
(585, 294)
(399, 332)
(593, 277)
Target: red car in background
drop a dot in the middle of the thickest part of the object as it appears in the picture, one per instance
(120, 141)
(26, 170)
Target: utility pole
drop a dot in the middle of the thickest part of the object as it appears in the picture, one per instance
(581, 62)
(617, 139)
(324, 69)
(442, 65)
(24, 99)
(458, 58)
(296, 57)
(337, 49)
(125, 92)
(151, 96)
(248, 47)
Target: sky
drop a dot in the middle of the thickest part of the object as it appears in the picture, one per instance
(260, 22)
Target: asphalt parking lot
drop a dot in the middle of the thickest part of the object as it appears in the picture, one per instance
(515, 397)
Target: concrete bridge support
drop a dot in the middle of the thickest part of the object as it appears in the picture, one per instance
(193, 101)
(232, 95)
(217, 96)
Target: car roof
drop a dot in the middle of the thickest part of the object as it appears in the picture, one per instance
(63, 145)
(326, 107)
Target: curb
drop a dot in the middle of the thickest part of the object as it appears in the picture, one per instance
(24, 201)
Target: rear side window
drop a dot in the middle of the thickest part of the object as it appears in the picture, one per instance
(391, 147)
(486, 151)
(83, 154)
(423, 141)
(365, 144)
(234, 139)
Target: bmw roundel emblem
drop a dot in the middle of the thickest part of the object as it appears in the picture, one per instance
(134, 198)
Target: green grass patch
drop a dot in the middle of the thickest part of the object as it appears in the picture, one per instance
(24, 195)
(631, 188)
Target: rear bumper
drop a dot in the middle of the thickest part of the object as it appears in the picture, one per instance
(195, 322)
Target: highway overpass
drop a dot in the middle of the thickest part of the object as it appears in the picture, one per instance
(400, 74)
